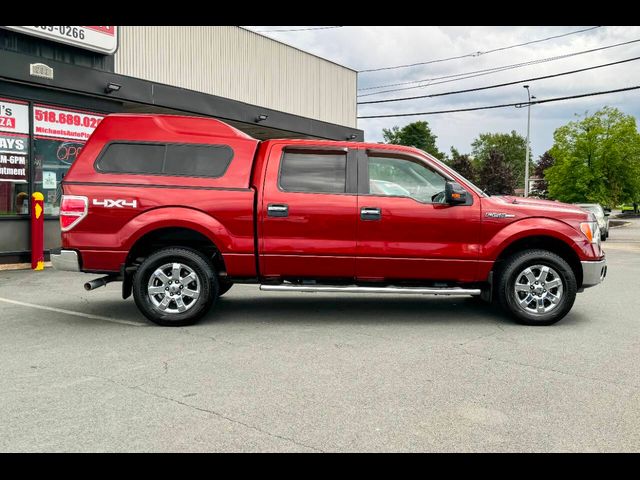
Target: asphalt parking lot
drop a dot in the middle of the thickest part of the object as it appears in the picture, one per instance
(318, 372)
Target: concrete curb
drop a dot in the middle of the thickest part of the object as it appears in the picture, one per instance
(19, 266)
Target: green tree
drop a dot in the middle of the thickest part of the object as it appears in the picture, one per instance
(545, 161)
(416, 134)
(597, 159)
(462, 164)
(512, 145)
(496, 175)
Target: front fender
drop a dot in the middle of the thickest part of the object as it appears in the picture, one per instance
(538, 226)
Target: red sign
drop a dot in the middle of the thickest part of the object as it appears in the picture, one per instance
(14, 116)
(7, 122)
(107, 30)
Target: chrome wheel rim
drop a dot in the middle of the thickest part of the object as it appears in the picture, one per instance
(173, 288)
(538, 289)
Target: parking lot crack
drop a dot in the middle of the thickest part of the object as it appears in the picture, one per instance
(187, 332)
(229, 419)
(553, 370)
(480, 337)
(138, 388)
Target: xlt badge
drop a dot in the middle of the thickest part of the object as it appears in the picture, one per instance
(499, 215)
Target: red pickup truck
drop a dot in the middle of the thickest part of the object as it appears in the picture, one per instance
(181, 208)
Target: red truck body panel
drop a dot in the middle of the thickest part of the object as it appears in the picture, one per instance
(319, 235)
(219, 208)
(323, 235)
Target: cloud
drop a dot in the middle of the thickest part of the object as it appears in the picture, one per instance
(372, 47)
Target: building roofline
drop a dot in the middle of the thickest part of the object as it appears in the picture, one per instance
(14, 67)
(297, 48)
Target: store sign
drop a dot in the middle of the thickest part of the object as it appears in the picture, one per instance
(14, 117)
(97, 39)
(13, 157)
(14, 144)
(66, 124)
(13, 168)
(67, 152)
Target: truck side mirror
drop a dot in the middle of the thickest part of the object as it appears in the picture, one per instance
(454, 194)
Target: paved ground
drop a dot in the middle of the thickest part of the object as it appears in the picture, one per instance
(311, 372)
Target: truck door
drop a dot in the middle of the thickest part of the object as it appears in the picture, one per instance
(405, 232)
(308, 213)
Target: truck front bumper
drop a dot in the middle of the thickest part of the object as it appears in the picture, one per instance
(593, 272)
(65, 260)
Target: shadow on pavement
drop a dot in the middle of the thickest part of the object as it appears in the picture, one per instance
(353, 310)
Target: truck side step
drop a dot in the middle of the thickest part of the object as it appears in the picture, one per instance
(356, 289)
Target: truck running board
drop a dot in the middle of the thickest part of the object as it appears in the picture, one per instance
(356, 289)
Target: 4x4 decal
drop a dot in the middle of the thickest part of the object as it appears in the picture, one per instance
(119, 203)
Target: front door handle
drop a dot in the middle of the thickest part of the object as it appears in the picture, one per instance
(370, 213)
(278, 210)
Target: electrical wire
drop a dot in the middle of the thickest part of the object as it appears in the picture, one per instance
(477, 89)
(488, 107)
(297, 29)
(478, 53)
(487, 71)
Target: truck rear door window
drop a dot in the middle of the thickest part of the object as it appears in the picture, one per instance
(313, 172)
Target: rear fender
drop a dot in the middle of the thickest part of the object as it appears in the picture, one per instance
(183, 217)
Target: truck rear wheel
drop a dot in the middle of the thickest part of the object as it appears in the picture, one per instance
(175, 286)
(536, 287)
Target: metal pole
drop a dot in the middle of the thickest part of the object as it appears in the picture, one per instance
(526, 164)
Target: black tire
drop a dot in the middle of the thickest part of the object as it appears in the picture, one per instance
(206, 277)
(224, 286)
(603, 236)
(510, 300)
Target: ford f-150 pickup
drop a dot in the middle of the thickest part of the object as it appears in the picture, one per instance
(180, 208)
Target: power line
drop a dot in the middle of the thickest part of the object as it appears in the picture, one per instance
(486, 71)
(488, 107)
(478, 53)
(298, 29)
(500, 84)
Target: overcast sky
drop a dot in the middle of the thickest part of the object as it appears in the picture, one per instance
(373, 47)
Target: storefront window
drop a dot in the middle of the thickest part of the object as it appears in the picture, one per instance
(14, 158)
(59, 136)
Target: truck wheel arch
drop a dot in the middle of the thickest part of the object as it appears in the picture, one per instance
(542, 242)
(176, 226)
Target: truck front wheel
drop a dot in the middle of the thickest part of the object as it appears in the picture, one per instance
(537, 287)
(175, 286)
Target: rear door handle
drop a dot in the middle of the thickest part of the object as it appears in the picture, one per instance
(278, 210)
(370, 213)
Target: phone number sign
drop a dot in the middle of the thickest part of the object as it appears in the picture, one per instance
(97, 39)
(66, 124)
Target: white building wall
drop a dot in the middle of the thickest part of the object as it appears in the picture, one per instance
(236, 63)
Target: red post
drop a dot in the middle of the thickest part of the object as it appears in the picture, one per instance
(37, 231)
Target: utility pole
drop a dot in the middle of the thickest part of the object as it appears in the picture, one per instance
(526, 164)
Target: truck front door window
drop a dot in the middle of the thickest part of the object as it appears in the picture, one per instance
(399, 177)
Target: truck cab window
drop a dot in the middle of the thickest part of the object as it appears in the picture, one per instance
(399, 177)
